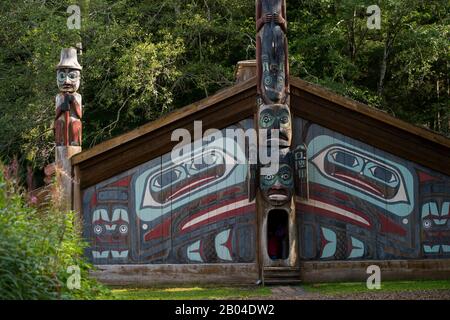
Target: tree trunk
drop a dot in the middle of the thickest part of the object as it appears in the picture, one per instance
(383, 69)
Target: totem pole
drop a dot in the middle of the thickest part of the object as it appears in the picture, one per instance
(67, 125)
(68, 101)
(276, 191)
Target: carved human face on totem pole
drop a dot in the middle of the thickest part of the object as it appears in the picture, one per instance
(273, 98)
(276, 117)
(68, 80)
(277, 189)
(68, 73)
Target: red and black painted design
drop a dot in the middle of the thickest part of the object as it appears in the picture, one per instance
(371, 204)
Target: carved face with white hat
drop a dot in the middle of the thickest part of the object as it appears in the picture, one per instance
(68, 71)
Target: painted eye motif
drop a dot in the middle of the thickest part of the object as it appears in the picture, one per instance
(211, 159)
(268, 180)
(61, 76)
(345, 159)
(167, 178)
(199, 166)
(266, 120)
(207, 161)
(427, 224)
(157, 183)
(98, 229)
(383, 174)
(285, 175)
(123, 229)
(284, 116)
(73, 76)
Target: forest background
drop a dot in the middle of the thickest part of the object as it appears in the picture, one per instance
(144, 59)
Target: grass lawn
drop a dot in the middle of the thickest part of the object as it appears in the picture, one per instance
(210, 292)
(190, 293)
(387, 286)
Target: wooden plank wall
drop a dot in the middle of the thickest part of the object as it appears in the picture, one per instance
(151, 275)
(178, 211)
(368, 204)
(339, 271)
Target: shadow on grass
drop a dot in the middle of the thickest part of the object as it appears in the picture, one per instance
(189, 293)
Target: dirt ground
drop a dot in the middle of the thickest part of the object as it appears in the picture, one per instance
(298, 293)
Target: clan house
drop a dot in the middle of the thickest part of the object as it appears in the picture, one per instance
(353, 186)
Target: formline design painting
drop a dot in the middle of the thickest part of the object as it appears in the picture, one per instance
(176, 211)
(366, 204)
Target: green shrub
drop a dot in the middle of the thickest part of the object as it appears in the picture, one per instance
(37, 245)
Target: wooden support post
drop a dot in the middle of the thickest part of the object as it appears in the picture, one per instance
(64, 176)
(76, 201)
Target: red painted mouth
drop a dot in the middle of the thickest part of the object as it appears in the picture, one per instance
(224, 210)
(358, 182)
(277, 194)
(111, 239)
(355, 216)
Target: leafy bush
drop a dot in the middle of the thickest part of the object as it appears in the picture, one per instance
(37, 245)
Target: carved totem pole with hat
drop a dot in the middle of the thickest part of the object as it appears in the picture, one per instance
(67, 126)
(68, 101)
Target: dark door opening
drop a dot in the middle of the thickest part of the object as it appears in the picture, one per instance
(278, 235)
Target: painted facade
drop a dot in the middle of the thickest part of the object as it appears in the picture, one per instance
(169, 212)
(364, 204)
(367, 204)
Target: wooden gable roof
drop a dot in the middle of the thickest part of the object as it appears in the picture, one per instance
(236, 103)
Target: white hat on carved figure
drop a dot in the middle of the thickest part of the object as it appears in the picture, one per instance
(69, 59)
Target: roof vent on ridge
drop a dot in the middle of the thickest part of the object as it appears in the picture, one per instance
(245, 70)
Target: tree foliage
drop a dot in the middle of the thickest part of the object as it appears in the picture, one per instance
(143, 59)
(37, 245)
